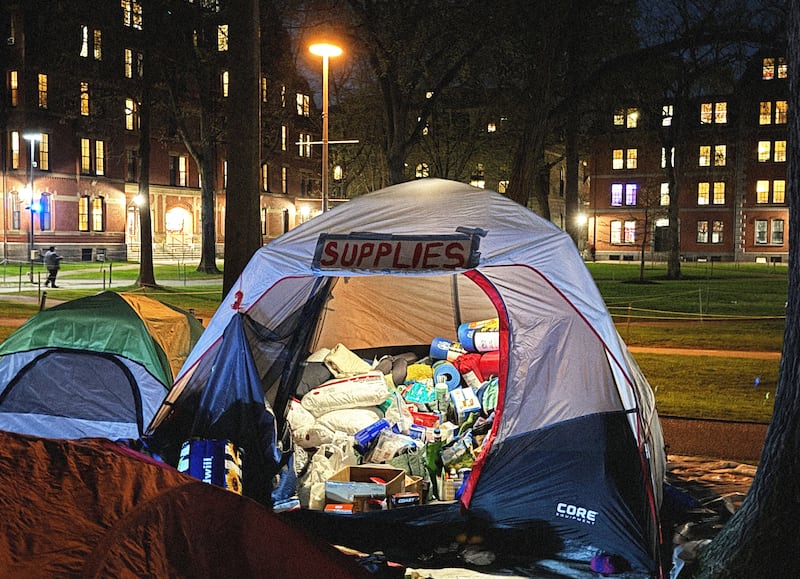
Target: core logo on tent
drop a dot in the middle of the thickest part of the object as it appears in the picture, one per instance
(575, 513)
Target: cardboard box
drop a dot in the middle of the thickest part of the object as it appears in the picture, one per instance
(352, 481)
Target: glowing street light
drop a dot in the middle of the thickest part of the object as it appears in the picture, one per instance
(32, 138)
(325, 51)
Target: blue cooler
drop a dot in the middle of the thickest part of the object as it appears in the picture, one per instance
(217, 462)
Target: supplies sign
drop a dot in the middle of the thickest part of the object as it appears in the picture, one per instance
(377, 252)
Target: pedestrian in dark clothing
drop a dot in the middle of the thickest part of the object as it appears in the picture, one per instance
(52, 261)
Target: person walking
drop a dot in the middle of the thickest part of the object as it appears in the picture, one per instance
(52, 261)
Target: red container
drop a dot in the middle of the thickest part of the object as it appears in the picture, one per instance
(490, 364)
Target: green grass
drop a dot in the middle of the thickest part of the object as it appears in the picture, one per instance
(712, 387)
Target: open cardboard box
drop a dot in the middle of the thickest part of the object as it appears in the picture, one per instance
(354, 481)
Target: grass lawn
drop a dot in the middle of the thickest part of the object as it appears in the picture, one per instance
(715, 306)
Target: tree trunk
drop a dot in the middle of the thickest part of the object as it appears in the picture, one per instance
(575, 229)
(242, 219)
(147, 276)
(208, 248)
(761, 539)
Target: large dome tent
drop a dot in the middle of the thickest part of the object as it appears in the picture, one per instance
(575, 443)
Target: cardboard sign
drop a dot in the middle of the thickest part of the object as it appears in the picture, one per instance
(377, 252)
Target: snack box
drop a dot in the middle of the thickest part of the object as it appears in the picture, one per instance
(464, 402)
(399, 500)
(341, 509)
(367, 480)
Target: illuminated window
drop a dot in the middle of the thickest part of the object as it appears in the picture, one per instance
(772, 68)
(305, 145)
(303, 105)
(705, 156)
(630, 232)
(133, 63)
(772, 112)
(263, 89)
(44, 153)
(491, 128)
(14, 149)
(714, 113)
(626, 117)
(86, 156)
(265, 177)
(764, 151)
(631, 191)
(779, 191)
(762, 191)
(779, 155)
(97, 45)
(616, 232)
(13, 88)
(624, 159)
(664, 157)
(131, 115)
(666, 115)
(422, 170)
(42, 89)
(131, 14)
(222, 37)
(99, 158)
(284, 180)
(702, 231)
(84, 99)
(703, 192)
(83, 213)
(761, 226)
(98, 214)
(224, 83)
(616, 194)
(178, 170)
(283, 96)
(781, 112)
(284, 137)
(720, 155)
(716, 231)
(664, 196)
(84, 52)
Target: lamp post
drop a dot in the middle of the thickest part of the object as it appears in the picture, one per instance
(325, 51)
(32, 138)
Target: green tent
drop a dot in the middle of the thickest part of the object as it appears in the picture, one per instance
(94, 366)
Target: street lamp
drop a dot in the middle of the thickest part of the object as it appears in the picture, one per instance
(32, 138)
(325, 51)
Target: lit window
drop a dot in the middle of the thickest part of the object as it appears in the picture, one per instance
(705, 156)
(664, 197)
(284, 180)
(83, 213)
(781, 111)
(13, 88)
(131, 14)
(630, 232)
(98, 214)
(85, 99)
(15, 149)
(626, 117)
(768, 69)
(616, 232)
(765, 113)
(45, 212)
(491, 128)
(131, 115)
(178, 170)
(703, 193)
(133, 63)
(265, 177)
(502, 186)
(305, 145)
(720, 155)
(716, 232)
(422, 170)
(478, 177)
(783, 68)
(42, 88)
(222, 37)
(303, 105)
(86, 156)
(664, 157)
(631, 190)
(224, 83)
(715, 112)
(702, 232)
(624, 158)
(779, 191)
(616, 194)
(719, 193)
(780, 152)
(762, 191)
(284, 137)
(99, 158)
(263, 89)
(84, 53)
(632, 156)
(283, 96)
(666, 115)
(44, 153)
(97, 45)
(764, 151)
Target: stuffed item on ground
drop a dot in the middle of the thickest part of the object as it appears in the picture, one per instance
(342, 362)
(364, 390)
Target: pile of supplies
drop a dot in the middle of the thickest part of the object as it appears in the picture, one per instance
(394, 431)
